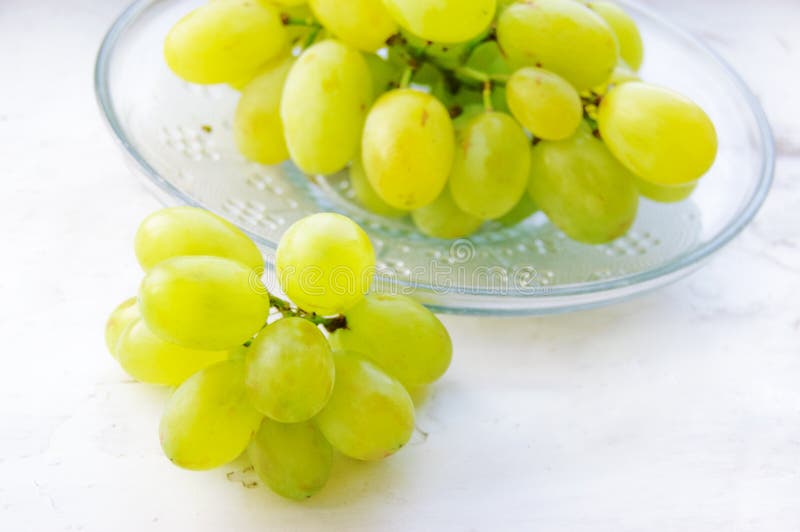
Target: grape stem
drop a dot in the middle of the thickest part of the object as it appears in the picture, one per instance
(405, 81)
(297, 21)
(487, 96)
(288, 310)
(312, 36)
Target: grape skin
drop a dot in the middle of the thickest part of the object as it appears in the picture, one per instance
(544, 103)
(370, 415)
(407, 148)
(665, 193)
(398, 334)
(208, 420)
(294, 460)
(191, 231)
(120, 319)
(208, 303)
(521, 212)
(330, 88)
(631, 48)
(290, 370)
(446, 21)
(223, 42)
(443, 219)
(363, 24)
(366, 195)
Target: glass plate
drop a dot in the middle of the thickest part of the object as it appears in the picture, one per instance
(179, 137)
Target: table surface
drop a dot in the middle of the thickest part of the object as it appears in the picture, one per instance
(676, 411)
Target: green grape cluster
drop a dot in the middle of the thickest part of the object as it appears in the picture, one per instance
(455, 112)
(288, 384)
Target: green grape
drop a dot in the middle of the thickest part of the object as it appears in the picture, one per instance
(285, 3)
(209, 420)
(398, 334)
(183, 231)
(366, 195)
(488, 58)
(370, 415)
(294, 460)
(562, 36)
(207, 303)
(257, 126)
(363, 24)
(581, 187)
(468, 112)
(290, 370)
(148, 358)
(664, 193)
(330, 88)
(443, 219)
(659, 135)
(630, 41)
(523, 210)
(544, 103)
(325, 263)
(447, 21)
(407, 148)
(120, 319)
(223, 42)
(491, 166)
(384, 74)
(446, 55)
(431, 77)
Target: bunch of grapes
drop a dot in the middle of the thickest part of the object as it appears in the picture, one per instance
(455, 111)
(287, 384)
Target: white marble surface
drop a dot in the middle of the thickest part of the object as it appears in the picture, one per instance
(676, 411)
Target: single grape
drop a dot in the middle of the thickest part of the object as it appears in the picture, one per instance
(363, 24)
(257, 126)
(562, 36)
(294, 460)
(544, 103)
(665, 193)
(223, 42)
(446, 21)
(148, 358)
(491, 166)
(582, 188)
(398, 334)
(384, 74)
(207, 303)
(370, 415)
(325, 99)
(443, 219)
(290, 370)
(488, 58)
(631, 48)
(325, 263)
(366, 195)
(523, 210)
(209, 420)
(120, 319)
(184, 231)
(407, 148)
(659, 135)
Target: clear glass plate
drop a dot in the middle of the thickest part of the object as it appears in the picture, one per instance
(179, 136)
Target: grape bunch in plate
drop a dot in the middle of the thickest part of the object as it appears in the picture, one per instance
(289, 383)
(455, 112)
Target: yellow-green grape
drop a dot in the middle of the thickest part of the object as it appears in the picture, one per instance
(294, 460)
(468, 112)
(407, 148)
(443, 219)
(491, 166)
(363, 24)
(184, 231)
(147, 358)
(120, 319)
(223, 42)
(290, 370)
(523, 210)
(446, 55)
(488, 58)
(664, 193)
(209, 420)
(544, 103)
(286, 3)
(366, 195)
(582, 188)
(325, 100)
(325, 263)
(257, 126)
(562, 36)
(446, 21)
(384, 74)
(398, 334)
(432, 77)
(207, 303)
(370, 415)
(659, 135)
(630, 41)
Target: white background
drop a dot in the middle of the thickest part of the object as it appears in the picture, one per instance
(676, 411)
